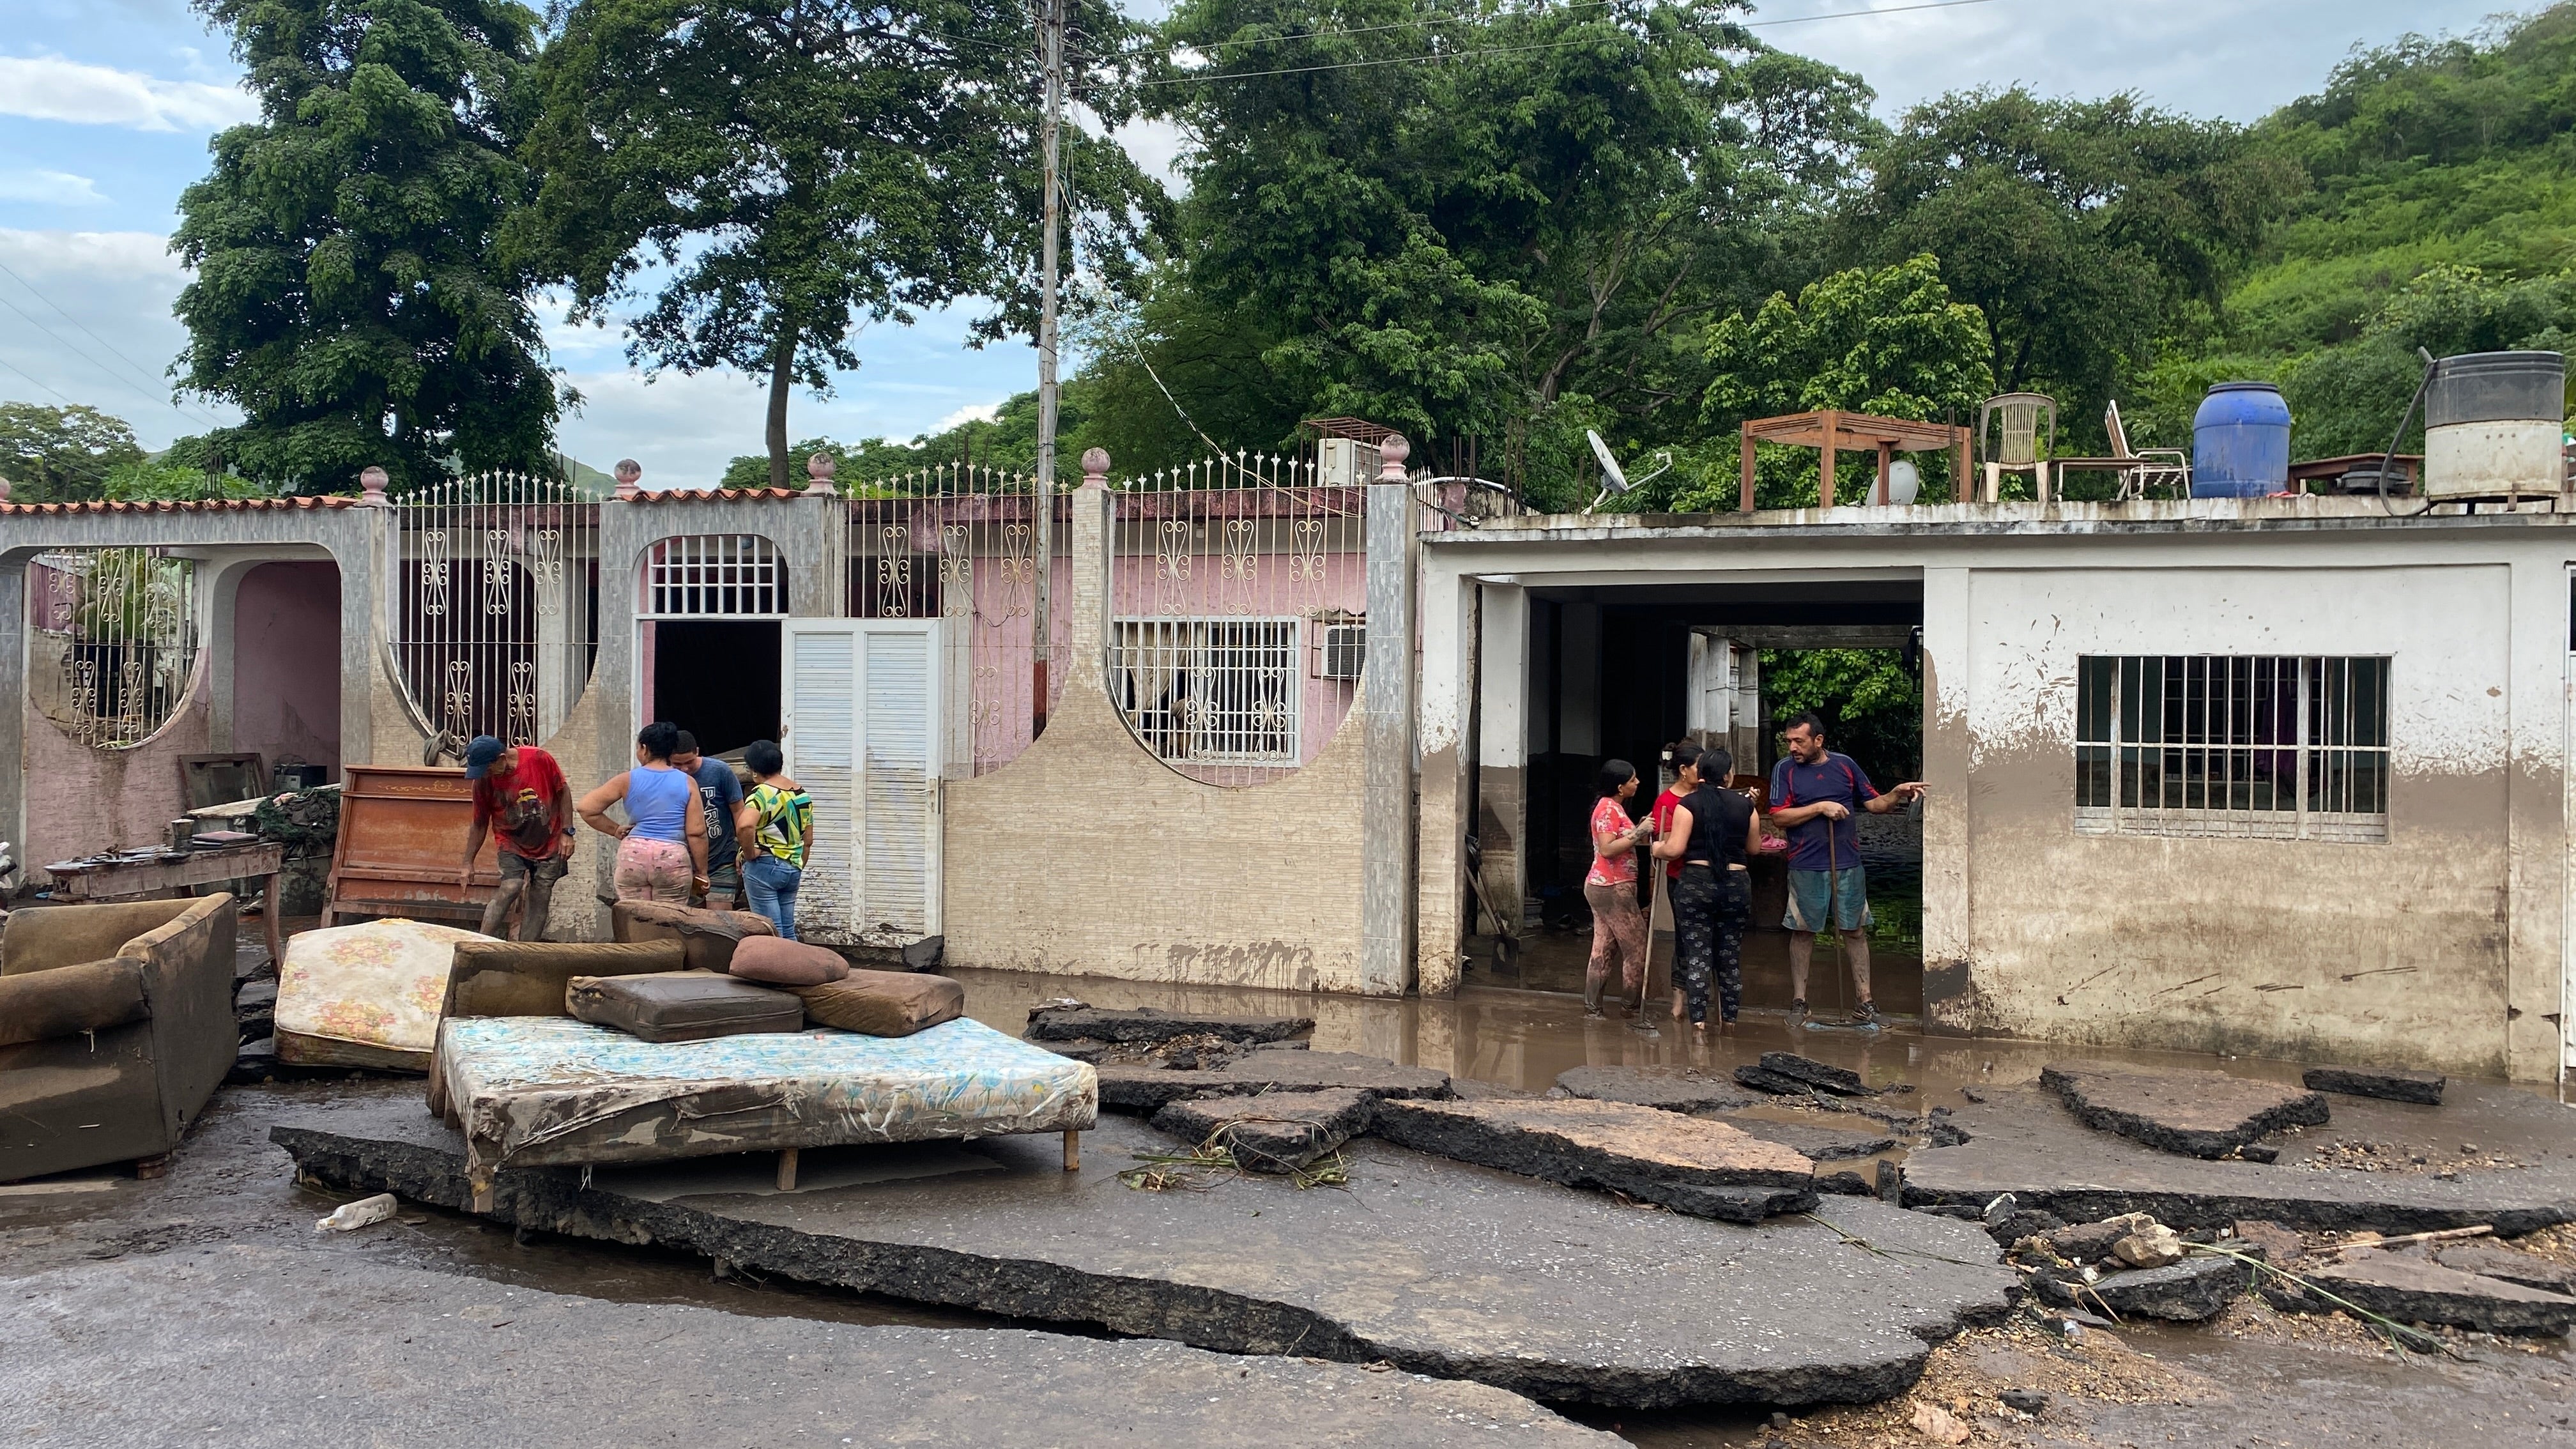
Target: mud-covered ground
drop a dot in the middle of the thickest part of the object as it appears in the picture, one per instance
(2253, 1378)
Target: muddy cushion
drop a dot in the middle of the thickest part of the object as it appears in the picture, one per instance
(681, 1005)
(527, 978)
(885, 1003)
(786, 963)
(42, 1005)
(708, 937)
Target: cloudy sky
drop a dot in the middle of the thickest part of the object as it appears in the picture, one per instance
(106, 107)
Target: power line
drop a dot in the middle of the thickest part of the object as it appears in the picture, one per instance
(22, 372)
(139, 369)
(105, 370)
(1509, 49)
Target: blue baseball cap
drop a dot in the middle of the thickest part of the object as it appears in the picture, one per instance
(480, 755)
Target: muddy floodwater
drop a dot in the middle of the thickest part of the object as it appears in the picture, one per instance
(2255, 1378)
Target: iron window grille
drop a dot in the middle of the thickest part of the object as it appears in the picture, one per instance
(1211, 691)
(2286, 747)
(715, 576)
(114, 652)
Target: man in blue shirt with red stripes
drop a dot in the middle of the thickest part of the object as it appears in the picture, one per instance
(1813, 794)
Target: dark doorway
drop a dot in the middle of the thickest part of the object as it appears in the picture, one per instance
(717, 679)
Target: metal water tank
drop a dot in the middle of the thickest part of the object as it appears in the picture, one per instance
(2491, 425)
(2240, 442)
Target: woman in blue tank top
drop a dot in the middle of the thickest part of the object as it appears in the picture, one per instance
(662, 852)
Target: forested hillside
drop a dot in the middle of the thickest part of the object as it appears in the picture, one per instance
(1586, 238)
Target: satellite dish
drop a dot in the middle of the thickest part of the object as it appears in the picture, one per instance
(1612, 474)
(1615, 479)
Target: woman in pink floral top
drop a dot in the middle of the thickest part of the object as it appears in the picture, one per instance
(1618, 925)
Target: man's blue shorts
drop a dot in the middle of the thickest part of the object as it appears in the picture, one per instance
(1808, 890)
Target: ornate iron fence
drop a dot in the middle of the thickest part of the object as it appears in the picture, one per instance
(959, 541)
(1238, 595)
(115, 642)
(495, 623)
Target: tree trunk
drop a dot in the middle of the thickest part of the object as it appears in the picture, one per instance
(781, 372)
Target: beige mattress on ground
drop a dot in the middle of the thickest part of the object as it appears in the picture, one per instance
(365, 996)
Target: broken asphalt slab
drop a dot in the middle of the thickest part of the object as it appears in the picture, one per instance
(1823, 1076)
(2412, 1290)
(2191, 1291)
(1144, 1024)
(2394, 1084)
(1436, 1266)
(197, 1346)
(2193, 1114)
(1135, 1087)
(1688, 1164)
(2490, 1259)
(1275, 1131)
(1671, 1088)
(1811, 1139)
(2024, 1142)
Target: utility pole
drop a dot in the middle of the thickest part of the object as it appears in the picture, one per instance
(1041, 624)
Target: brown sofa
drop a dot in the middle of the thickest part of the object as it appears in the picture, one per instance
(116, 1025)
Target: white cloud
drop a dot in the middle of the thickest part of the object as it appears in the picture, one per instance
(971, 413)
(52, 88)
(85, 317)
(50, 188)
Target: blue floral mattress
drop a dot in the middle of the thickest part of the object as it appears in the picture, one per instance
(536, 1090)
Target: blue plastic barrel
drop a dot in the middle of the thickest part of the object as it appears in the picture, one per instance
(2240, 442)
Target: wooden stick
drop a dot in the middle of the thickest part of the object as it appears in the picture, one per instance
(2480, 1231)
(1744, 466)
(787, 1170)
(1073, 1151)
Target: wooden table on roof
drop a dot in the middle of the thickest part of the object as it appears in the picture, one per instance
(143, 879)
(1831, 430)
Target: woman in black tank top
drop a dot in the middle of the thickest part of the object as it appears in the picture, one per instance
(1713, 832)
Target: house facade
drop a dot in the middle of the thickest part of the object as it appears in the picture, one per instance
(2281, 777)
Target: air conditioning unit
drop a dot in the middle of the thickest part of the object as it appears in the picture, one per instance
(1343, 651)
(1345, 462)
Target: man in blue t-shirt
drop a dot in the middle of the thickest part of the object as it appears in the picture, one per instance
(719, 795)
(1813, 794)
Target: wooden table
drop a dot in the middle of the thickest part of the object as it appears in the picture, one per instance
(1830, 431)
(129, 880)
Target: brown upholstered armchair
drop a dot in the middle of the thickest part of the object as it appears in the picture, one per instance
(116, 1025)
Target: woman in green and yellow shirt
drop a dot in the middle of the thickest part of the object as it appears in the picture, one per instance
(773, 825)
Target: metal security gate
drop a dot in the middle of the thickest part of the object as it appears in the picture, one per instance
(494, 619)
(867, 707)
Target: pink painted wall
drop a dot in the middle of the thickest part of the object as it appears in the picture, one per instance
(1136, 592)
(286, 658)
(82, 800)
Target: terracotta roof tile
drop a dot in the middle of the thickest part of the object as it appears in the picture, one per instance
(712, 495)
(168, 505)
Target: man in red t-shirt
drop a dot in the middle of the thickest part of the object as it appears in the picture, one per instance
(523, 802)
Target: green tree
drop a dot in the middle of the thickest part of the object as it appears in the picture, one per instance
(2082, 231)
(1871, 703)
(2347, 399)
(61, 455)
(773, 175)
(346, 297)
(1507, 246)
(1888, 341)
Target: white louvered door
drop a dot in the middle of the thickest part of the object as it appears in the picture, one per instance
(862, 699)
(898, 863)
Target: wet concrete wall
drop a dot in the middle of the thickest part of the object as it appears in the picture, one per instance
(2446, 945)
(2395, 951)
(1088, 856)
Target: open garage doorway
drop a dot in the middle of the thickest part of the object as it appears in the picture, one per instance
(1619, 673)
(709, 638)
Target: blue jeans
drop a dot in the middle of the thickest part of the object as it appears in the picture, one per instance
(771, 883)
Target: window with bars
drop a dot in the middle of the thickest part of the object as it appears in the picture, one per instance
(2273, 746)
(1213, 691)
(716, 576)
